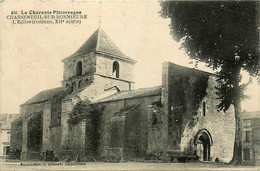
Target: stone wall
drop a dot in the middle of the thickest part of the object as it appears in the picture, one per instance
(88, 65)
(77, 136)
(105, 67)
(28, 110)
(192, 106)
(255, 154)
(110, 82)
(98, 87)
(16, 134)
(91, 138)
(34, 133)
(156, 129)
(67, 106)
(46, 120)
(134, 124)
(99, 65)
(55, 140)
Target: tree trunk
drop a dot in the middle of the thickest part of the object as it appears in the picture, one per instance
(237, 153)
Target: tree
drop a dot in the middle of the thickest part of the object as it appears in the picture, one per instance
(224, 35)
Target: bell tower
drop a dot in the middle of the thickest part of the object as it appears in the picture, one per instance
(98, 61)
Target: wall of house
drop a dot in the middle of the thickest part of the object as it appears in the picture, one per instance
(5, 133)
(5, 141)
(256, 141)
(251, 143)
(187, 90)
(247, 142)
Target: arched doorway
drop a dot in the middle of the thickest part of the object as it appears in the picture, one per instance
(203, 142)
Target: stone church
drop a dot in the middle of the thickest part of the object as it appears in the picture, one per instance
(98, 115)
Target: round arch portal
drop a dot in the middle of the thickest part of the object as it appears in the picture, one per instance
(203, 141)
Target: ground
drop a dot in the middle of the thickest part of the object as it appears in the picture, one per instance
(192, 166)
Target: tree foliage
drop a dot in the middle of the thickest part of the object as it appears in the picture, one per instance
(221, 34)
(224, 35)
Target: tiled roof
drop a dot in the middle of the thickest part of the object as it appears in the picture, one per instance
(142, 92)
(100, 42)
(44, 95)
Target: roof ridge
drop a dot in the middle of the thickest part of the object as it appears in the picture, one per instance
(100, 42)
(126, 94)
(159, 86)
(44, 95)
(98, 37)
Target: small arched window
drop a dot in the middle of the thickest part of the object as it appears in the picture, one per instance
(67, 85)
(79, 69)
(116, 69)
(79, 84)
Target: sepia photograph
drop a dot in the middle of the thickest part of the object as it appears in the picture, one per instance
(129, 85)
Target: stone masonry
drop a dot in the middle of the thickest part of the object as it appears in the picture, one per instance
(98, 114)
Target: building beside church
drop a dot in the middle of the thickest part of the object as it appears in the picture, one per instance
(5, 133)
(251, 138)
(98, 114)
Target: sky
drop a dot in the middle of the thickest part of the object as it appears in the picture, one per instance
(30, 55)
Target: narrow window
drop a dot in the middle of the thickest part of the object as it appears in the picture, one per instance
(204, 109)
(79, 69)
(247, 136)
(246, 152)
(67, 85)
(116, 69)
(73, 86)
(79, 84)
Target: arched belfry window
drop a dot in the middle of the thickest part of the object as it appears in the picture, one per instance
(116, 69)
(79, 68)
